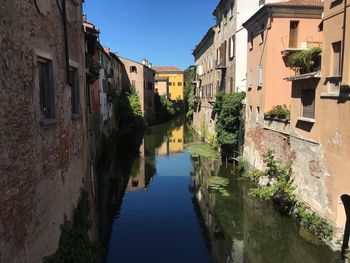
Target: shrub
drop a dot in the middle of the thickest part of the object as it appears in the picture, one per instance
(228, 108)
(305, 59)
(129, 105)
(75, 244)
(313, 222)
(280, 111)
(278, 188)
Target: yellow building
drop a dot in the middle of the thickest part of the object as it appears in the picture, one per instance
(175, 144)
(175, 81)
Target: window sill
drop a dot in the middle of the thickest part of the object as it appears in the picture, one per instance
(335, 77)
(306, 119)
(329, 94)
(48, 122)
(76, 116)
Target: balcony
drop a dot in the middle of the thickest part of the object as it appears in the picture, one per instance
(220, 64)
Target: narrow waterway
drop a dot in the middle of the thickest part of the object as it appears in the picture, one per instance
(156, 205)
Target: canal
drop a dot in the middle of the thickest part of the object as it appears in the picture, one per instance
(157, 204)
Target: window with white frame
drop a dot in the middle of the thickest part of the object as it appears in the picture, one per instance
(232, 42)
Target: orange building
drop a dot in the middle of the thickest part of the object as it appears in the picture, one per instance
(272, 31)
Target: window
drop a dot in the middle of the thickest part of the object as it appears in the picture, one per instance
(258, 109)
(260, 76)
(150, 85)
(46, 88)
(308, 103)
(232, 4)
(251, 40)
(250, 78)
(75, 90)
(179, 84)
(293, 34)
(218, 57)
(261, 2)
(170, 83)
(336, 58)
(133, 69)
(232, 41)
(174, 84)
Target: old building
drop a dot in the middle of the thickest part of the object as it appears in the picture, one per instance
(162, 86)
(43, 139)
(175, 81)
(205, 82)
(141, 77)
(319, 130)
(274, 30)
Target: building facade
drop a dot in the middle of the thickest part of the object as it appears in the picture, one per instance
(175, 81)
(44, 160)
(319, 109)
(271, 32)
(141, 77)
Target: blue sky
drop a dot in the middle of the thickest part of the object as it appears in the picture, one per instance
(163, 31)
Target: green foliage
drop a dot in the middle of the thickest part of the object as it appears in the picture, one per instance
(304, 59)
(211, 139)
(219, 184)
(165, 108)
(279, 188)
(280, 191)
(129, 107)
(202, 129)
(280, 111)
(228, 108)
(75, 244)
(189, 91)
(202, 149)
(242, 166)
(313, 222)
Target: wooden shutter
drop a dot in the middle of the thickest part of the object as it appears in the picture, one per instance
(336, 58)
(250, 78)
(293, 34)
(308, 101)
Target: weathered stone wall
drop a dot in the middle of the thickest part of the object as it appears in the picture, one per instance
(42, 167)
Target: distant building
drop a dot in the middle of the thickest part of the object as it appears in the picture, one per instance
(162, 86)
(141, 77)
(175, 81)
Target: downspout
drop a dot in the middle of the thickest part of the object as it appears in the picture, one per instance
(343, 42)
(65, 32)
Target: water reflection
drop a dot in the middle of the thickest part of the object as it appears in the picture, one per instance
(155, 205)
(247, 230)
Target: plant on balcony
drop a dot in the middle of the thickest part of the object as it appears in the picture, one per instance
(280, 112)
(305, 60)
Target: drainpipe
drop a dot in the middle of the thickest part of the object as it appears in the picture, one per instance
(343, 42)
(65, 32)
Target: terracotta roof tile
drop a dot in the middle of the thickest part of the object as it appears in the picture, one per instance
(167, 69)
(299, 3)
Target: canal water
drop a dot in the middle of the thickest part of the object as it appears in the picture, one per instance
(156, 205)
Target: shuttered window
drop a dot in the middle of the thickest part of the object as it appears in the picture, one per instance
(47, 103)
(336, 58)
(293, 34)
(260, 76)
(232, 47)
(250, 78)
(308, 103)
(75, 88)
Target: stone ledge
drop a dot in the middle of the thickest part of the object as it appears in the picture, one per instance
(48, 122)
(306, 119)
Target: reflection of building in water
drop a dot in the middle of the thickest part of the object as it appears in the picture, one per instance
(175, 144)
(141, 173)
(216, 213)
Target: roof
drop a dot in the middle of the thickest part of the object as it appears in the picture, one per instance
(300, 8)
(209, 33)
(167, 69)
(135, 62)
(162, 78)
(299, 3)
(218, 6)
